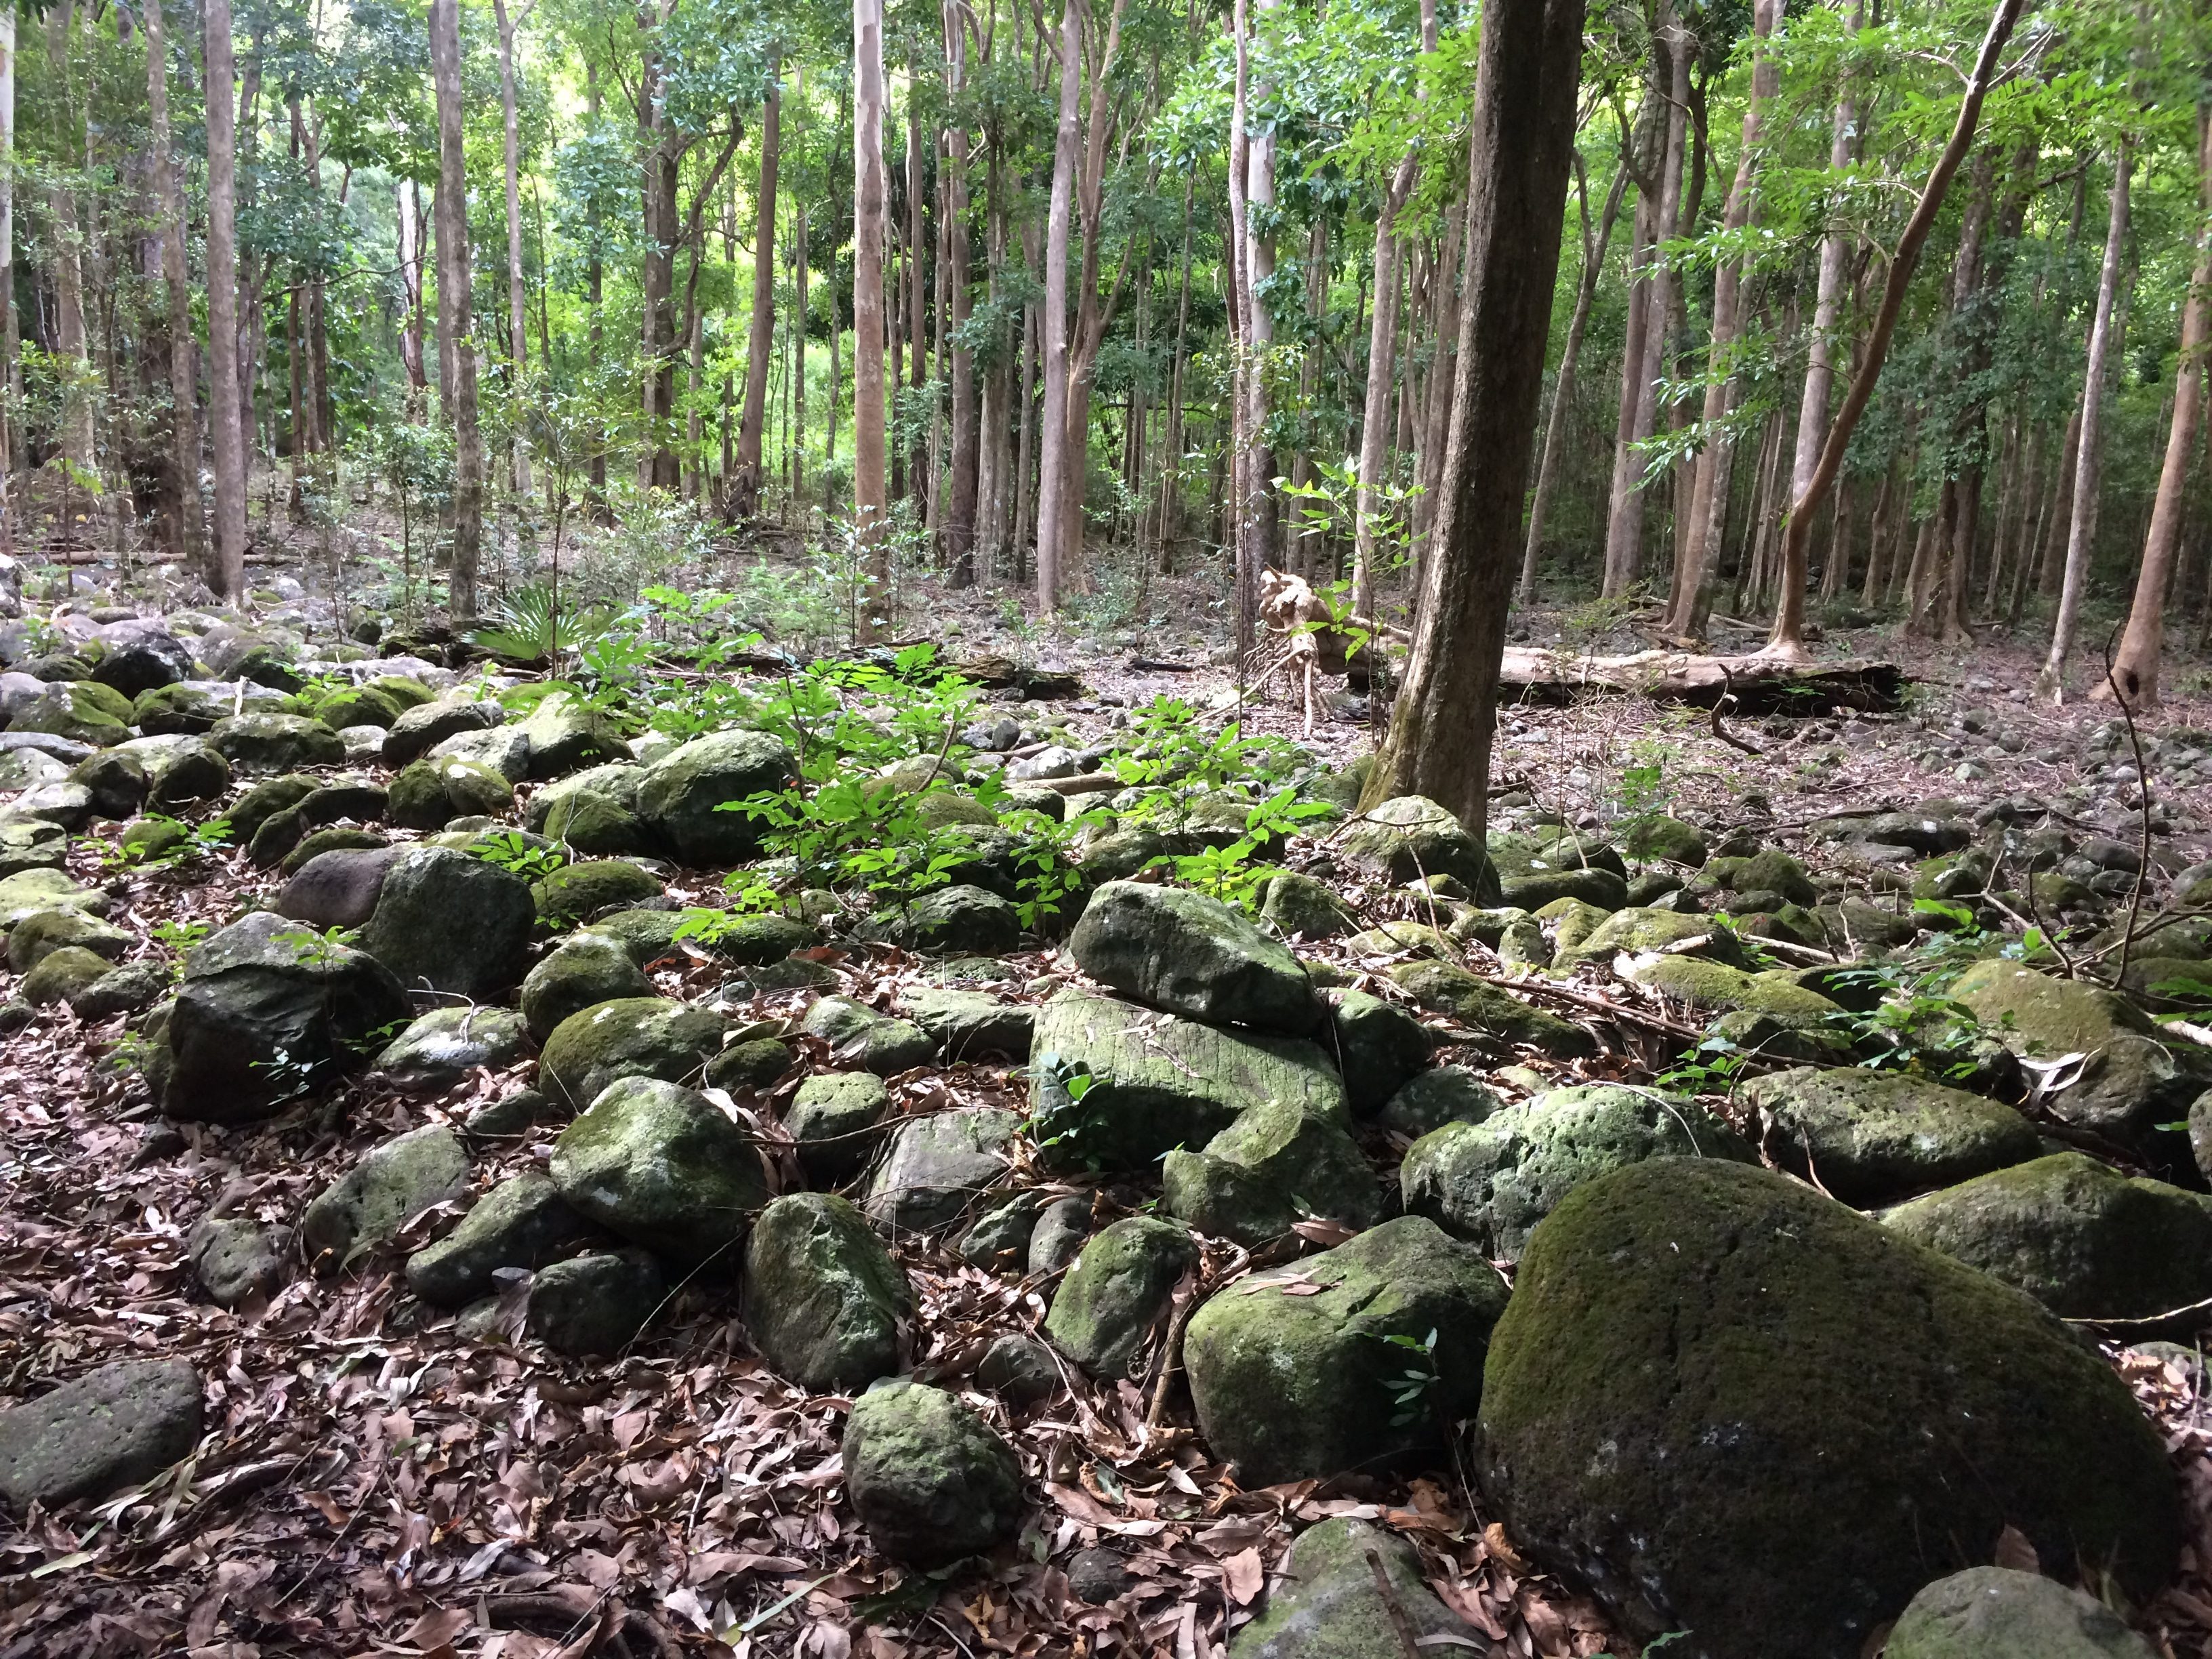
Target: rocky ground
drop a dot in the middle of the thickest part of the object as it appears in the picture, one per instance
(466, 1192)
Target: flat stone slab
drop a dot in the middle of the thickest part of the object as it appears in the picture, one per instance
(112, 1427)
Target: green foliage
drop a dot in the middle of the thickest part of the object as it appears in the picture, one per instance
(511, 850)
(1413, 1391)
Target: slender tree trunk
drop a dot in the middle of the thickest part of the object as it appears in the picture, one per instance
(871, 192)
(1695, 572)
(1523, 127)
(964, 463)
(917, 467)
(1563, 389)
(760, 340)
(410, 283)
(1258, 516)
(1051, 519)
(184, 369)
(2136, 668)
(11, 445)
(454, 309)
(226, 571)
(2082, 523)
(1623, 541)
(517, 312)
(663, 162)
(1786, 641)
(1245, 577)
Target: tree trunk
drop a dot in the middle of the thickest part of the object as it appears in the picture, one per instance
(1788, 638)
(2135, 670)
(1563, 389)
(657, 284)
(961, 486)
(760, 338)
(11, 444)
(169, 201)
(1694, 573)
(226, 571)
(917, 469)
(871, 502)
(1257, 537)
(454, 309)
(1624, 538)
(2081, 522)
(410, 283)
(1523, 135)
(1052, 480)
(518, 314)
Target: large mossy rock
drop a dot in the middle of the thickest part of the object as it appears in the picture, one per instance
(454, 923)
(524, 1222)
(268, 1010)
(1875, 1137)
(30, 892)
(681, 795)
(1641, 928)
(930, 1481)
(1714, 988)
(1379, 1047)
(1490, 1182)
(1996, 1613)
(1410, 838)
(445, 1045)
(936, 1168)
(1325, 1604)
(960, 920)
(2128, 1085)
(1276, 1165)
(660, 1165)
(1499, 1017)
(422, 729)
(116, 1426)
(1156, 1082)
(632, 1036)
(34, 938)
(142, 659)
(1113, 1302)
(864, 1037)
(1189, 954)
(1734, 1407)
(2080, 1237)
(275, 743)
(825, 1303)
(577, 892)
(566, 734)
(392, 1182)
(971, 1024)
(585, 971)
(79, 710)
(1292, 1383)
(429, 794)
(1299, 907)
(594, 1304)
(832, 1120)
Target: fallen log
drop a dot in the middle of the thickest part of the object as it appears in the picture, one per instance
(1758, 685)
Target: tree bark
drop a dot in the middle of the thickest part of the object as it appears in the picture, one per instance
(2135, 670)
(454, 309)
(871, 190)
(657, 281)
(1788, 638)
(1694, 574)
(1523, 121)
(760, 340)
(1052, 480)
(11, 446)
(518, 314)
(2082, 520)
(963, 461)
(226, 571)
(184, 368)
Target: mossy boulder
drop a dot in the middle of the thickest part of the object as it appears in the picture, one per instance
(615, 783)
(576, 892)
(825, 1303)
(973, 1024)
(38, 935)
(756, 1063)
(1600, 889)
(357, 705)
(861, 1036)
(117, 780)
(338, 838)
(29, 843)
(661, 1166)
(429, 794)
(2080, 1237)
(1634, 931)
(2128, 1085)
(585, 971)
(595, 1305)
(1411, 836)
(630, 1037)
(1325, 1604)
(1189, 954)
(1732, 1406)
(114, 1426)
(81, 710)
(1299, 906)
(186, 706)
(30, 892)
(392, 1182)
(1714, 988)
(442, 1046)
(930, 1481)
(1550, 847)
(1492, 1182)
(1501, 1019)
(1379, 1047)
(1442, 1095)
(758, 940)
(833, 1118)
(1292, 1383)
(274, 743)
(1670, 841)
(1874, 1137)
(959, 920)
(680, 796)
(1276, 1165)
(523, 1222)
(420, 729)
(452, 922)
(1996, 1613)
(64, 976)
(935, 1168)
(566, 734)
(1155, 1082)
(1114, 1304)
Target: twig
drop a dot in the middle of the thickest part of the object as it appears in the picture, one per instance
(1409, 1643)
(1727, 697)
(1170, 1356)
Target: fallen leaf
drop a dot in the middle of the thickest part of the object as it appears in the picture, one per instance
(2014, 1551)
(1243, 1574)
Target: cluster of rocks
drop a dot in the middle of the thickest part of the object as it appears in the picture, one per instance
(1775, 1412)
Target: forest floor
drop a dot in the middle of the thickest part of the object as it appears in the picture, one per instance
(370, 1483)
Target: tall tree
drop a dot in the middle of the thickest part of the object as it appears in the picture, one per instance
(517, 313)
(184, 375)
(226, 572)
(760, 339)
(454, 310)
(871, 196)
(1526, 75)
(1052, 473)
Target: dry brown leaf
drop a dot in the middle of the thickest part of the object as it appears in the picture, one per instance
(1243, 1574)
(2014, 1551)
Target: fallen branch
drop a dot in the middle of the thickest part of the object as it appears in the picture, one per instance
(1724, 701)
